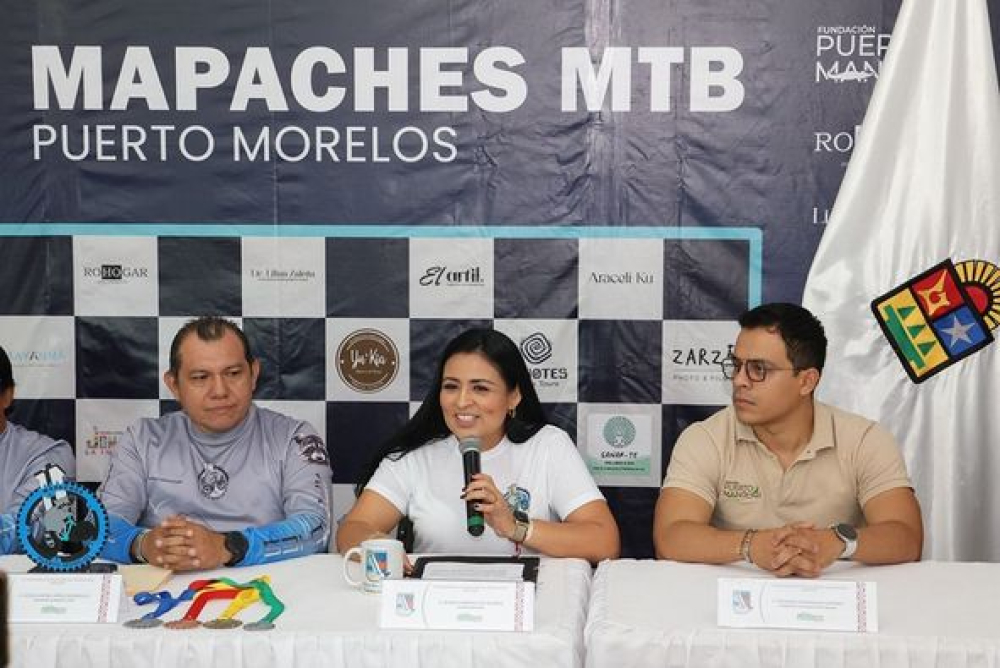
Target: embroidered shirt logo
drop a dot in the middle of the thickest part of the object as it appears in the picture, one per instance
(312, 449)
(735, 490)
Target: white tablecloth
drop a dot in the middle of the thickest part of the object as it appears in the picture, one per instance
(327, 623)
(663, 614)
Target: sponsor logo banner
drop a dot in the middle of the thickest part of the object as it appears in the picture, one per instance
(283, 277)
(621, 443)
(549, 348)
(367, 359)
(115, 276)
(693, 351)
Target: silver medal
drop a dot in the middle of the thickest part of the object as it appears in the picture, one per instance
(259, 626)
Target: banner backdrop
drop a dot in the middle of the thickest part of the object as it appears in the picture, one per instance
(610, 183)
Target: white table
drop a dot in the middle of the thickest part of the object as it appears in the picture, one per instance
(327, 623)
(663, 614)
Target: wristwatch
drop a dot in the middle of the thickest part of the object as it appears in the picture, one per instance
(849, 535)
(521, 525)
(236, 543)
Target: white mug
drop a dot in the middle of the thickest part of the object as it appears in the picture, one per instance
(381, 559)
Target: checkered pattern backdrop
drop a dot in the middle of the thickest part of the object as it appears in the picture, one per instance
(623, 335)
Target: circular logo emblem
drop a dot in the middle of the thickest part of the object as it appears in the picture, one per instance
(213, 481)
(62, 526)
(536, 348)
(367, 360)
(619, 432)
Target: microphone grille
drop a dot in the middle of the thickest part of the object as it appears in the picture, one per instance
(469, 444)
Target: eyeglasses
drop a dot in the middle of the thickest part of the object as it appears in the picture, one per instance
(757, 370)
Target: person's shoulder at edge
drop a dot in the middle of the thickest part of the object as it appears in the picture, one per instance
(23, 437)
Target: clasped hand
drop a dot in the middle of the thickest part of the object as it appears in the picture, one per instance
(795, 549)
(181, 544)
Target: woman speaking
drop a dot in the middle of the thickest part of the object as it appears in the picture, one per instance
(534, 491)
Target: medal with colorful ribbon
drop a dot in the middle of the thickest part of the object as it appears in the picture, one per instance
(165, 602)
(227, 620)
(218, 591)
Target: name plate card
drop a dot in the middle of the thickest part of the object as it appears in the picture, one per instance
(458, 606)
(818, 605)
(89, 598)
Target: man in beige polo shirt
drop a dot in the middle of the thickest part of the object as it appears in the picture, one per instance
(779, 479)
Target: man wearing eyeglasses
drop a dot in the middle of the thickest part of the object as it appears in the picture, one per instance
(779, 479)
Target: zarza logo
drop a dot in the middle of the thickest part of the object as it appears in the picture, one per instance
(700, 356)
(536, 348)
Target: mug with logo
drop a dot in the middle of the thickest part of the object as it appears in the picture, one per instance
(381, 559)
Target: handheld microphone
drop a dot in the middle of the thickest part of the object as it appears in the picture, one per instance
(469, 447)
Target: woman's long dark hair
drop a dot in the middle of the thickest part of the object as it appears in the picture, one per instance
(428, 424)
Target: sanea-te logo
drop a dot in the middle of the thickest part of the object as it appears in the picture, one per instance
(849, 54)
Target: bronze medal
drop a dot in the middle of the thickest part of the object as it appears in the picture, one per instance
(183, 624)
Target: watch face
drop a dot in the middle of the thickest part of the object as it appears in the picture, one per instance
(236, 544)
(847, 531)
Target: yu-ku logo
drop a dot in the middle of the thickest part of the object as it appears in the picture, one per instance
(941, 316)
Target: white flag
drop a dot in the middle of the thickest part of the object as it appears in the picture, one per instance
(914, 239)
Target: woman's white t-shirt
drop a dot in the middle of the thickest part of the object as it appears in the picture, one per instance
(545, 477)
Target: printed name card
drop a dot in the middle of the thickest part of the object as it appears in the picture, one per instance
(822, 605)
(88, 598)
(460, 606)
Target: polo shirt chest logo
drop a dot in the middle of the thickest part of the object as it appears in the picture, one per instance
(732, 489)
(213, 481)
